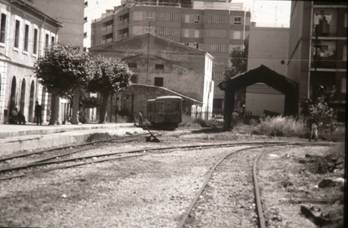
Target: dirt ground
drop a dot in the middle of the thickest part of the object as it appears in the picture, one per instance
(156, 189)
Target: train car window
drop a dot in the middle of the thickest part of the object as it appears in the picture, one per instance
(160, 107)
(172, 106)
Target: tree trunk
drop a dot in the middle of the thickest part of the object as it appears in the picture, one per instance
(102, 117)
(54, 109)
(76, 106)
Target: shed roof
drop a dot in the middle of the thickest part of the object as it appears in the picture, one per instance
(260, 74)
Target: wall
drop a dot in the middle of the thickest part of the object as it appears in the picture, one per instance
(18, 63)
(182, 65)
(70, 13)
(298, 59)
(267, 46)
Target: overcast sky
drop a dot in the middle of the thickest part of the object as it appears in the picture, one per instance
(267, 13)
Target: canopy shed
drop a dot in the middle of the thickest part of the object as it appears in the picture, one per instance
(261, 74)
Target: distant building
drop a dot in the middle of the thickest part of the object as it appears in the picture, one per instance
(70, 13)
(165, 63)
(318, 49)
(25, 32)
(211, 28)
(267, 46)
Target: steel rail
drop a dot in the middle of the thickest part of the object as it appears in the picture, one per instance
(123, 139)
(40, 163)
(147, 150)
(209, 174)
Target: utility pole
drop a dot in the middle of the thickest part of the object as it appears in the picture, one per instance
(148, 49)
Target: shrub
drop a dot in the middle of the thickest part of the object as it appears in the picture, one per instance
(280, 126)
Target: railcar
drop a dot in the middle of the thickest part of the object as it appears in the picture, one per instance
(165, 111)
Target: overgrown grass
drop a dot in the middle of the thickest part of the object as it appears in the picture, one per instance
(280, 126)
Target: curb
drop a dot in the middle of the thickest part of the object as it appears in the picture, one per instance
(71, 138)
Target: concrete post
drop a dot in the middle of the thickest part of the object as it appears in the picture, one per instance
(228, 108)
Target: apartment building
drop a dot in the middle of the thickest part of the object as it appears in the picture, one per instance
(25, 32)
(70, 13)
(201, 26)
(318, 49)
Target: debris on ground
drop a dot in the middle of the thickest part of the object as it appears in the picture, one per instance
(98, 136)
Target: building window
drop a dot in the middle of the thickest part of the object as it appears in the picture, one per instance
(52, 41)
(324, 22)
(85, 19)
(132, 65)
(186, 33)
(3, 28)
(158, 81)
(236, 35)
(35, 41)
(86, 3)
(196, 34)
(344, 54)
(192, 44)
(85, 35)
(16, 38)
(138, 15)
(237, 20)
(343, 85)
(159, 66)
(46, 41)
(26, 37)
(191, 18)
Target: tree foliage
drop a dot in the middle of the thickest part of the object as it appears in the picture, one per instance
(111, 75)
(239, 59)
(63, 69)
(317, 110)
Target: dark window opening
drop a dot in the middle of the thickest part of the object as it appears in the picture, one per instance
(52, 40)
(3, 28)
(26, 37)
(35, 41)
(132, 65)
(159, 66)
(16, 40)
(46, 41)
(158, 81)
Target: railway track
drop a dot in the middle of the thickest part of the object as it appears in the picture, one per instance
(54, 162)
(56, 159)
(196, 213)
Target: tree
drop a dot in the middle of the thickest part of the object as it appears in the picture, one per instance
(239, 59)
(64, 71)
(111, 76)
(317, 109)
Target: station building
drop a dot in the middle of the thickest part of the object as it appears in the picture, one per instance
(25, 33)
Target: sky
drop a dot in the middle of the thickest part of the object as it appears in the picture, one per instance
(266, 13)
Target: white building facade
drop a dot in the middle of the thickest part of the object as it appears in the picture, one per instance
(25, 33)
